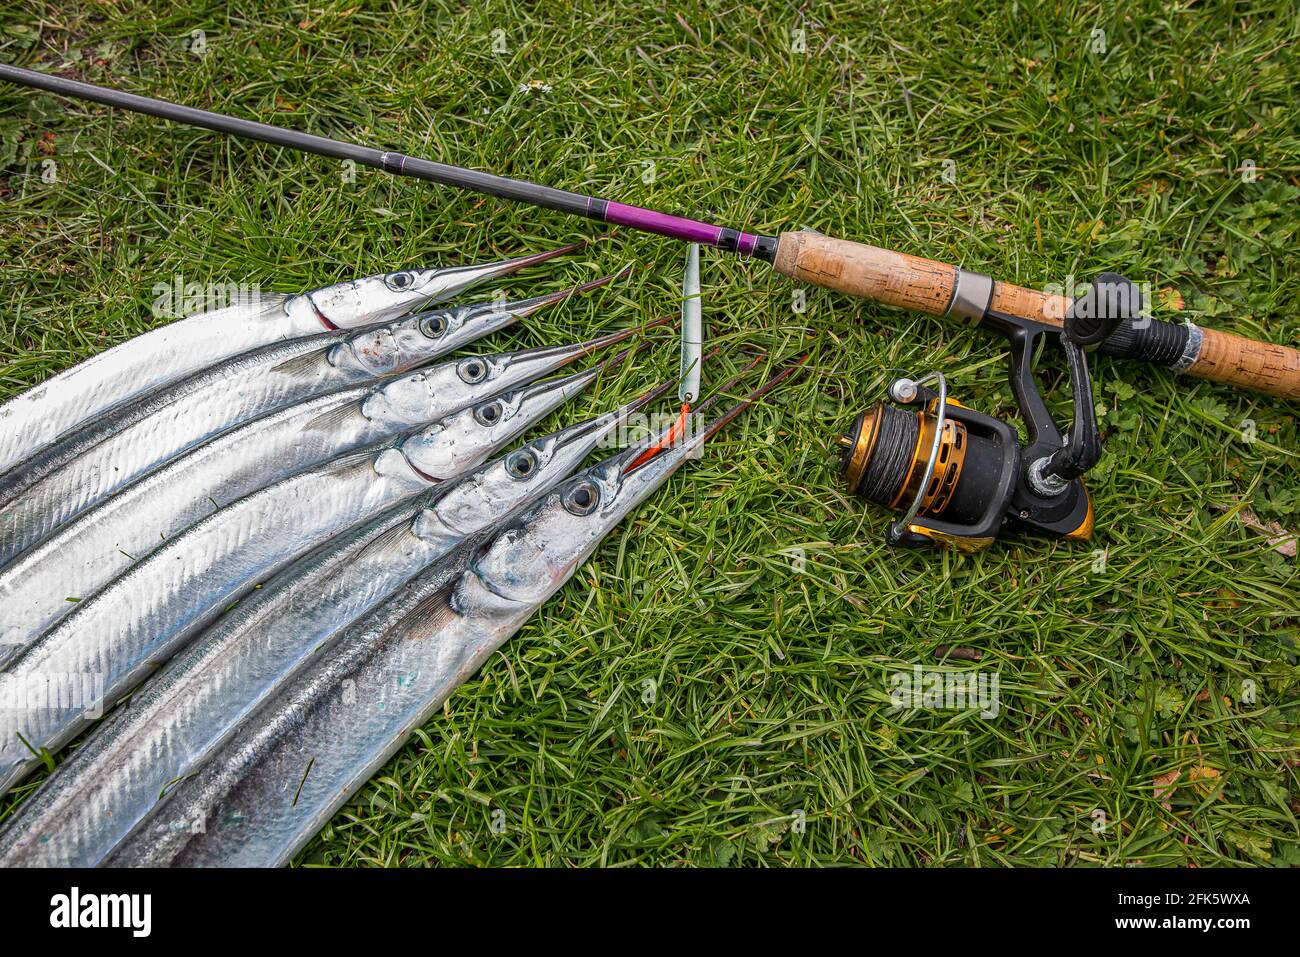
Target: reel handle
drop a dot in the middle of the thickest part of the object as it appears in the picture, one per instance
(940, 289)
(1092, 320)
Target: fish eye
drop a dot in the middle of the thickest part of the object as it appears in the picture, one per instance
(434, 326)
(398, 280)
(489, 414)
(472, 370)
(582, 499)
(521, 464)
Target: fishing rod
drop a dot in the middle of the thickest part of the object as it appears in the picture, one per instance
(966, 476)
(889, 277)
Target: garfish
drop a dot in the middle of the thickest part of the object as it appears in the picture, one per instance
(52, 688)
(87, 466)
(70, 399)
(109, 782)
(260, 796)
(92, 549)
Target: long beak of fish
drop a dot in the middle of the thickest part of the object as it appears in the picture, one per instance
(439, 285)
(435, 459)
(530, 363)
(526, 307)
(630, 479)
(675, 432)
(587, 435)
(465, 324)
(536, 400)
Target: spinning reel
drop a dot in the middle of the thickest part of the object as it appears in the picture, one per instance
(964, 476)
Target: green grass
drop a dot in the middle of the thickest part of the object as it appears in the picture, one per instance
(772, 683)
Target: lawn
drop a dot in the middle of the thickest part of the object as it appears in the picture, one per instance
(714, 686)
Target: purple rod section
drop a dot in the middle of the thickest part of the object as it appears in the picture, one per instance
(678, 227)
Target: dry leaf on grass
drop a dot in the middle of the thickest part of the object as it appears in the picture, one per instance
(1280, 540)
(1204, 779)
(1165, 787)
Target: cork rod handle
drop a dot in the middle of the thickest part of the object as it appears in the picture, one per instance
(924, 285)
(1236, 360)
(895, 279)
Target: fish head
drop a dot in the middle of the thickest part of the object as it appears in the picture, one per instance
(493, 490)
(383, 350)
(405, 343)
(373, 299)
(428, 335)
(500, 486)
(446, 330)
(537, 552)
(425, 395)
(402, 344)
(487, 374)
(466, 438)
(422, 396)
(539, 549)
(452, 328)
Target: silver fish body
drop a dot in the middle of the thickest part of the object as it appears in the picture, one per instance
(68, 477)
(197, 699)
(41, 586)
(111, 641)
(89, 551)
(72, 398)
(294, 761)
(80, 812)
(66, 401)
(72, 475)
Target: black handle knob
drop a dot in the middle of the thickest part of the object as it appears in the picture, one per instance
(1095, 315)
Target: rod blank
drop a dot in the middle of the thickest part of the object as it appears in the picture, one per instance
(398, 163)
